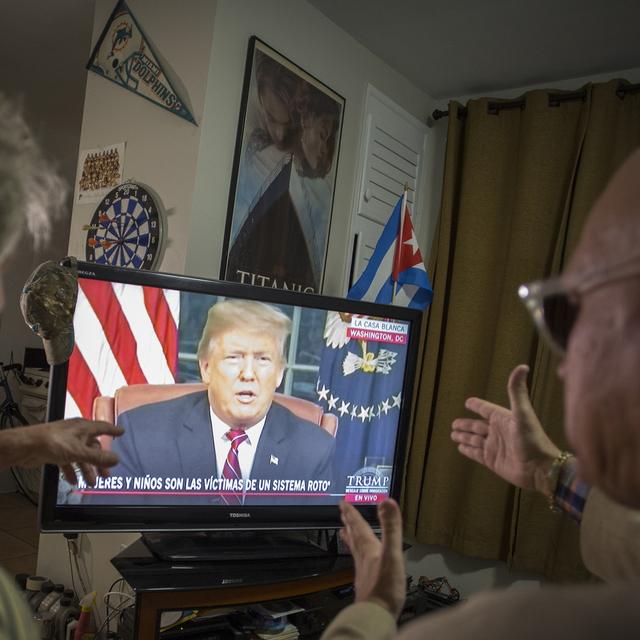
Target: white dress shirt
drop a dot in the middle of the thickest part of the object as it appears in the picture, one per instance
(246, 450)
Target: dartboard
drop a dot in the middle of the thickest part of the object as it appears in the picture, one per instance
(126, 228)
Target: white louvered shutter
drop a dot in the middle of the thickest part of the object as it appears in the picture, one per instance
(392, 153)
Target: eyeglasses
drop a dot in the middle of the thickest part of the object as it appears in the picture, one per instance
(554, 304)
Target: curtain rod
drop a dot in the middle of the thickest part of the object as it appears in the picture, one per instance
(554, 100)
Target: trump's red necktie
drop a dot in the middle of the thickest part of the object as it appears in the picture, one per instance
(231, 469)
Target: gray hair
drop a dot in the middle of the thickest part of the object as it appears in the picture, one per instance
(31, 192)
(244, 314)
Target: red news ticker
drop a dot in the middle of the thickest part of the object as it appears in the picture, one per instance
(374, 335)
(365, 498)
(284, 494)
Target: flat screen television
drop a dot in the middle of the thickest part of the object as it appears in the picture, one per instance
(335, 428)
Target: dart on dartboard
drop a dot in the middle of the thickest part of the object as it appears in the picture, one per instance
(103, 219)
(96, 242)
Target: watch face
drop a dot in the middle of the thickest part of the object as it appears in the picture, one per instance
(126, 228)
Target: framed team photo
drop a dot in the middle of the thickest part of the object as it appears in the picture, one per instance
(284, 175)
(99, 171)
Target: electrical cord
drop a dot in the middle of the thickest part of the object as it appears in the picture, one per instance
(72, 546)
(85, 589)
(118, 609)
(106, 600)
(74, 551)
(73, 582)
(441, 586)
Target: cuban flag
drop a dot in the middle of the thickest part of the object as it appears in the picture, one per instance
(395, 273)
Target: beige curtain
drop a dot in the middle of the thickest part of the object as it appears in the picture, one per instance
(517, 187)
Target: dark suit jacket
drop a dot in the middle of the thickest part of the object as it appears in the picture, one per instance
(174, 439)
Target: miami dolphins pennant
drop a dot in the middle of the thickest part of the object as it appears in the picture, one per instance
(126, 56)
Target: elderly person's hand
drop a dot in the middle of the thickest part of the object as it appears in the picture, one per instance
(63, 442)
(510, 442)
(379, 564)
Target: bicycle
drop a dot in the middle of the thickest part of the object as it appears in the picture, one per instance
(28, 480)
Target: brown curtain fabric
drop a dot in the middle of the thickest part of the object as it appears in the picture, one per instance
(517, 188)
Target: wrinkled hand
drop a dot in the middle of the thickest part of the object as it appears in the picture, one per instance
(379, 564)
(65, 442)
(511, 443)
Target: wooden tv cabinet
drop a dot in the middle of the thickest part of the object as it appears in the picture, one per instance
(324, 582)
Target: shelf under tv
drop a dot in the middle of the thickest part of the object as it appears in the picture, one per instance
(221, 546)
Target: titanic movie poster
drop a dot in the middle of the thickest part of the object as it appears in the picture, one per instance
(284, 176)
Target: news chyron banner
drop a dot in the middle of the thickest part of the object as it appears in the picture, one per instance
(125, 55)
(361, 381)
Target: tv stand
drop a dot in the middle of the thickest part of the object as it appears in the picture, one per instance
(222, 546)
(321, 585)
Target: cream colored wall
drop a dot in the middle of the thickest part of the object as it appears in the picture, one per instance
(307, 37)
(94, 559)
(162, 149)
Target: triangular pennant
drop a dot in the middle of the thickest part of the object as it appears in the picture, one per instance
(125, 55)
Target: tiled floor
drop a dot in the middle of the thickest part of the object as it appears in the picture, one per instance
(18, 534)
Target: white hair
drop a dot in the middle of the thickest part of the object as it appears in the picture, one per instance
(31, 191)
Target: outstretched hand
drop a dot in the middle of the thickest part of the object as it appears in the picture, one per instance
(63, 442)
(379, 564)
(510, 442)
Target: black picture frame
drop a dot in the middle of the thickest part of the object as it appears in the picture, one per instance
(284, 174)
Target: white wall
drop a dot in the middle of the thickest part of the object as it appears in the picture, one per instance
(308, 38)
(162, 149)
(95, 553)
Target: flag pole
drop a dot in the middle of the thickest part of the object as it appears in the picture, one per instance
(399, 239)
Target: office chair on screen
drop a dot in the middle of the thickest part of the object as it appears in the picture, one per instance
(108, 408)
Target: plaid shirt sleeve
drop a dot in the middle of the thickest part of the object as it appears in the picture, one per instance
(571, 492)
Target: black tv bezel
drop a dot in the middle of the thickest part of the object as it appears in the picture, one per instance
(56, 518)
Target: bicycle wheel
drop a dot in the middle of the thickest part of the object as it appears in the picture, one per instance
(28, 480)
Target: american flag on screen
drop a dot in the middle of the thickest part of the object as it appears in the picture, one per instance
(124, 334)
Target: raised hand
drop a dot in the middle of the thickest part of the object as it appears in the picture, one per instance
(510, 442)
(379, 564)
(63, 442)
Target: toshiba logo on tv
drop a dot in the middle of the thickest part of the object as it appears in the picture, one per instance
(239, 515)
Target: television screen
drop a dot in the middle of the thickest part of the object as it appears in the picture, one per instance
(242, 407)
